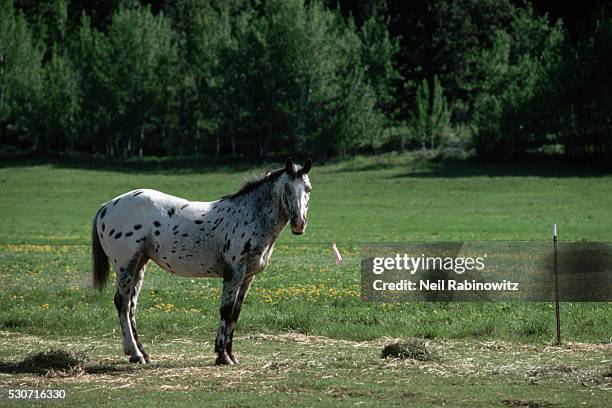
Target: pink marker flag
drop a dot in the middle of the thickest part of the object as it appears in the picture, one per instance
(337, 253)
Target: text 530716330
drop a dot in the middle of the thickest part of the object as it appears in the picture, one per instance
(35, 394)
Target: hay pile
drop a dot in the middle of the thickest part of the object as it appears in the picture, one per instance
(50, 362)
(414, 349)
(56, 359)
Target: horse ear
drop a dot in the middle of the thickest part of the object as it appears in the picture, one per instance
(289, 166)
(307, 166)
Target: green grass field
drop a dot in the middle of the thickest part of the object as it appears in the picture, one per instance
(305, 336)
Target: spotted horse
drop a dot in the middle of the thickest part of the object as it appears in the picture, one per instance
(231, 238)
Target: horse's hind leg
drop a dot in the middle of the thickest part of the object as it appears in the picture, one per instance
(138, 278)
(125, 289)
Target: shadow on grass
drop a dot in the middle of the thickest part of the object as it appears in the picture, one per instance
(67, 363)
(61, 362)
(444, 164)
(19, 368)
(471, 168)
(417, 164)
(8, 367)
(372, 166)
(147, 165)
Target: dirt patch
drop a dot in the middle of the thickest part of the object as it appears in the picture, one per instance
(528, 404)
(552, 371)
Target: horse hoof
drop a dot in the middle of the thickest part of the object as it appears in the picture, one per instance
(233, 358)
(147, 359)
(223, 359)
(137, 360)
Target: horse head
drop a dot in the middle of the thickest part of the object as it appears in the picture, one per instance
(296, 194)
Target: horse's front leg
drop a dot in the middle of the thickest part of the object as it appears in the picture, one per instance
(231, 287)
(229, 334)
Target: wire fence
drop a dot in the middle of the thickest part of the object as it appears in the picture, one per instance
(584, 268)
(348, 242)
(339, 242)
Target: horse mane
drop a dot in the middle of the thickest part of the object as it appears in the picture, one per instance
(253, 184)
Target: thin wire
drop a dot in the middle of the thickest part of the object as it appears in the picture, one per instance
(288, 243)
(415, 241)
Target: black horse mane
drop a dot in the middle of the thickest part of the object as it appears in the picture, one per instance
(252, 185)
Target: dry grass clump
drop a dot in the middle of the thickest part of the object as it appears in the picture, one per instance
(415, 349)
(54, 361)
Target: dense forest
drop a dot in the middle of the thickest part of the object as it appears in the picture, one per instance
(244, 78)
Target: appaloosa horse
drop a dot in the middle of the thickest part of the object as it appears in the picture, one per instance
(231, 238)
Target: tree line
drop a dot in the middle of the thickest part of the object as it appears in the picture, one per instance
(252, 78)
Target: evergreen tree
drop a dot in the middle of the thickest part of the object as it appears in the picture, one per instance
(60, 104)
(21, 75)
(514, 72)
(142, 53)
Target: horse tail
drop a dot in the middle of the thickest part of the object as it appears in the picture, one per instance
(99, 273)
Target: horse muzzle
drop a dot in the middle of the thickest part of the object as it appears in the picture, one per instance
(298, 228)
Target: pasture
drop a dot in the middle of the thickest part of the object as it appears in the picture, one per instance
(304, 335)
